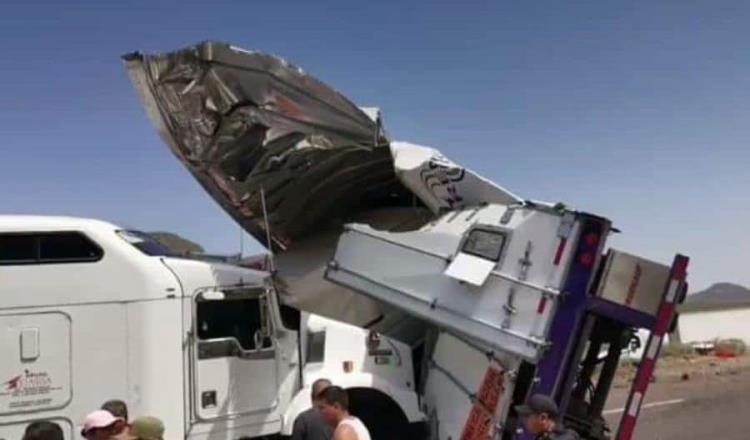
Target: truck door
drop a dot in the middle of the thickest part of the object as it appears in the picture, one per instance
(234, 354)
(35, 356)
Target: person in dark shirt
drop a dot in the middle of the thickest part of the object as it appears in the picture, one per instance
(541, 418)
(308, 425)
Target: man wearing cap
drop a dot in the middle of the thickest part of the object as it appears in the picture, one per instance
(101, 425)
(119, 408)
(541, 418)
(147, 428)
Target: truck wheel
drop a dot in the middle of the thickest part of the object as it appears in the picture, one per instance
(380, 413)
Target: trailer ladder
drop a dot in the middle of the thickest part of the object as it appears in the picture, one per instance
(675, 288)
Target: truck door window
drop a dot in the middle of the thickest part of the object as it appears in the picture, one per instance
(233, 327)
(484, 243)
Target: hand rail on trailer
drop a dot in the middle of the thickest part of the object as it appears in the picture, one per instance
(672, 293)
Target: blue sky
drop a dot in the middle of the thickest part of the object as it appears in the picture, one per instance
(634, 110)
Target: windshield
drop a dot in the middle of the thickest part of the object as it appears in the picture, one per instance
(146, 243)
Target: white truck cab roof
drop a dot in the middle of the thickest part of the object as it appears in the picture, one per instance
(110, 264)
(23, 223)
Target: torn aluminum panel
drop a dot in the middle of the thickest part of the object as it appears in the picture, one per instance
(244, 121)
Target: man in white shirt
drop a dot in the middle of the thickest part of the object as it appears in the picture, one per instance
(334, 409)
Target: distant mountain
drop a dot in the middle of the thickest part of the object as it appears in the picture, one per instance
(718, 296)
(721, 292)
(177, 244)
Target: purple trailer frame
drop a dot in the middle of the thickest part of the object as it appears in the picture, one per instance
(557, 366)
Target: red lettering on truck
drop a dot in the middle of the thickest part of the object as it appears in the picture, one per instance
(480, 424)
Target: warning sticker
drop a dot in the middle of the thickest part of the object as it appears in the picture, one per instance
(479, 425)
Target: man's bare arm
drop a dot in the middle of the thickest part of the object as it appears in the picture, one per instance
(344, 432)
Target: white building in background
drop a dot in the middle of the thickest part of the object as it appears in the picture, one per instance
(706, 324)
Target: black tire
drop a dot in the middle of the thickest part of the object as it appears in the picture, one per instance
(380, 413)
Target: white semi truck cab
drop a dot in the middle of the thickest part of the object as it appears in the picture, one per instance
(92, 312)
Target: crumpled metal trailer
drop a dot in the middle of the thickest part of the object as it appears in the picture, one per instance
(500, 297)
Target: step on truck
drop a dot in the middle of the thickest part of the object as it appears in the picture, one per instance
(92, 312)
(498, 297)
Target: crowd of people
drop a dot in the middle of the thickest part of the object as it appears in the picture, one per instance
(327, 419)
(110, 422)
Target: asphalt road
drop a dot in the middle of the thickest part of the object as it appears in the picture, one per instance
(715, 407)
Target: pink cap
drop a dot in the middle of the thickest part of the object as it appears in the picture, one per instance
(98, 419)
